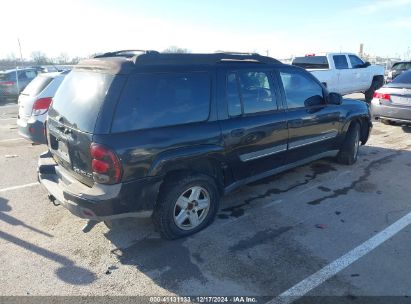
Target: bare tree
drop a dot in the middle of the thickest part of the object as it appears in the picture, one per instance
(176, 49)
(63, 58)
(39, 57)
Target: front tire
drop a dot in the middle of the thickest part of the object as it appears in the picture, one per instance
(186, 206)
(348, 154)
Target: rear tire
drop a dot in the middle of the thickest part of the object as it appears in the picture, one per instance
(348, 154)
(186, 206)
(377, 83)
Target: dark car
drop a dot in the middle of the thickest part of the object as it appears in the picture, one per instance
(12, 82)
(397, 69)
(167, 134)
(392, 103)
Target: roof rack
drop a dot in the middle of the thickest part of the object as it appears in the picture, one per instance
(156, 58)
(126, 53)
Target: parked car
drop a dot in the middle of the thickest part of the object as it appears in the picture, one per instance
(392, 103)
(34, 103)
(344, 73)
(397, 69)
(167, 134)
(12, 82)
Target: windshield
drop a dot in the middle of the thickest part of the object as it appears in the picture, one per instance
(402, 66)
(311, 62)
(79, 98)
(37, 85)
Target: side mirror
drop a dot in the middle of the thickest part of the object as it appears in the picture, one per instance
(366, 65)
(313, 101)
(334, 98)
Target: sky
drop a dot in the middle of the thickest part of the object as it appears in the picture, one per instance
(283, 28)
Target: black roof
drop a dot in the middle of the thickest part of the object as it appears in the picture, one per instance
(131, 59)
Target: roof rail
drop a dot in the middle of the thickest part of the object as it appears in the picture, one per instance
(155, 58)
(126, 53)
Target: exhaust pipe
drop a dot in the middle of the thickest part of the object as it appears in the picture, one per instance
(89, 225)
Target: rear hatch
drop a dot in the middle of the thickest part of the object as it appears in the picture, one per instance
(29, 94)
(72, 118)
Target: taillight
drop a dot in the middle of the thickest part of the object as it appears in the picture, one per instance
(41, 106)
(382, 96)
(105, 165)
(7, 83)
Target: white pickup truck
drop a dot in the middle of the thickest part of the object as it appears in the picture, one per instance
(343, 73)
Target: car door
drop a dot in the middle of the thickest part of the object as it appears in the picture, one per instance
(345, 77)
(254, 126)
(360, 80)
(312, 123)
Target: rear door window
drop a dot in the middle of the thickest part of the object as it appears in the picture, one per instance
(340, 62)
(256, 92)
(163, 99)
(37, 85)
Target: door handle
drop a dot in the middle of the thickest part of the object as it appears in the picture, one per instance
(237, 133)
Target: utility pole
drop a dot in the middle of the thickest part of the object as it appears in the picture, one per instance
(21, 54)
(17, 68)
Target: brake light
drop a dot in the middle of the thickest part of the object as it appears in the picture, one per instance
(7, 83)
(309, 55)
(105, 165)
(41, 106)
(382, 96)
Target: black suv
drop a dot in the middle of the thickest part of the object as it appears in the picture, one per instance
(137, 134)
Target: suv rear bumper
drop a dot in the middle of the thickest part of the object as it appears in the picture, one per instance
(100, 202)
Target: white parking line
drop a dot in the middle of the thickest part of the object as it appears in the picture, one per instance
(11, 139)
(316, 279)
(19, 187)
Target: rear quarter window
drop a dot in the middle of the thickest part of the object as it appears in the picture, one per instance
(162, 99)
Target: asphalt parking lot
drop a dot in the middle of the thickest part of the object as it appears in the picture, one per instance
(319, 230)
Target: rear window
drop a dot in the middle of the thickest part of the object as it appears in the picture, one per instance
(311, 62)
(403, 78)
(163, 99)
(79, 98)
(37, 85)
(7, 76)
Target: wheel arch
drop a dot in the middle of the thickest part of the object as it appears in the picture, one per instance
(206, 160)
(365, 126)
